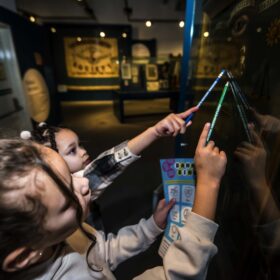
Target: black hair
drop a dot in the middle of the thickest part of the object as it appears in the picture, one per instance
(45, 134)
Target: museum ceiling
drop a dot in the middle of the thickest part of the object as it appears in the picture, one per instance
(105, 11)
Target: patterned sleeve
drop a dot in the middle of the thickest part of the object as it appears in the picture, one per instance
(107, 166)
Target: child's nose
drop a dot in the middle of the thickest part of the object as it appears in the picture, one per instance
(82, 151)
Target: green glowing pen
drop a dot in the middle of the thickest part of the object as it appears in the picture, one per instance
(220, 104)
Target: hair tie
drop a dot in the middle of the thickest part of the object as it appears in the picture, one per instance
(25, 135)
(42, 124)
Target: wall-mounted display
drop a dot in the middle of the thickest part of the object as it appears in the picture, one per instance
(140, 50)
(135, 74)
(152, 85)
(126, 71)
(91, 57)
(151, 72)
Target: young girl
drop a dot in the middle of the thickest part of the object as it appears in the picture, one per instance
(40, 206)
(111, 163)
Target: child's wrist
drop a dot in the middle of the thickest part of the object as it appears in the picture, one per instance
(153, 132)
(209, 182)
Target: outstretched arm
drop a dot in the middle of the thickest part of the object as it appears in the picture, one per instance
(188, 258)
(171, 125)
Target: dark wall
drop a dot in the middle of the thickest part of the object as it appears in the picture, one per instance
(30, 38)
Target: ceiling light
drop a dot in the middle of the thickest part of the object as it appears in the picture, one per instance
(102, 34)
(124, 35)
(53, 30)
(206, 34)
(79, 39)
(32, 19)
(181, 23)
(148, 23)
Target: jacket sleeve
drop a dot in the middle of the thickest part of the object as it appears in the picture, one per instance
(102, 171)
(130, 241)
(187, 258)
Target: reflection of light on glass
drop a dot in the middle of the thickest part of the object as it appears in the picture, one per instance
(1, 55)
(124, 35)
(53, 30)
(102, 34)
(181, 23)
(206, 34)
(117, 62)
(32, 19)
(259, 29)
(229, 39)
(8, 54)
(148, 23)
(79, 39)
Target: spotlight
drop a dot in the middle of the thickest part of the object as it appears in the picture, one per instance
(124, 35)
(181, 23)
(148, 23)
(32, 19)
(53, 30)
(79, 39)
(206, 34)
(102, 34)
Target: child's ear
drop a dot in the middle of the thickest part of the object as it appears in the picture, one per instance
(20, 258)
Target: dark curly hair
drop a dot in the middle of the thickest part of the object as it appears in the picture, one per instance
(45, 134)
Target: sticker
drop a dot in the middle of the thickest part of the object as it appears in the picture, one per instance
(185, 212)
(173, 232)
(174, 192)
(174, 214)
(187, 194)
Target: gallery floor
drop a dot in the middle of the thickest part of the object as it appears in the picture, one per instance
(129, 198)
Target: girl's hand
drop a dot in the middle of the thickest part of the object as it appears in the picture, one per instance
(210, 165)
(253, 160)
(266, 122)
(161, 212)
(210, 162)
(173, 124)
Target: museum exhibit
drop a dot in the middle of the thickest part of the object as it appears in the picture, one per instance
(185, 92)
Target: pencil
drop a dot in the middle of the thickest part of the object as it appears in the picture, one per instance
(220, 104)
(206, 94)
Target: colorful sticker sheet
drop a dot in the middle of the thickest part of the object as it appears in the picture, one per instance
(178, 176)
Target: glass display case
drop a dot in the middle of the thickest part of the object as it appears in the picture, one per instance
(244, 38)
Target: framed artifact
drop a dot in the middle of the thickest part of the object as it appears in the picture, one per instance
(126, 71)
(152, 85)
(89, 57)
(151, 72)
